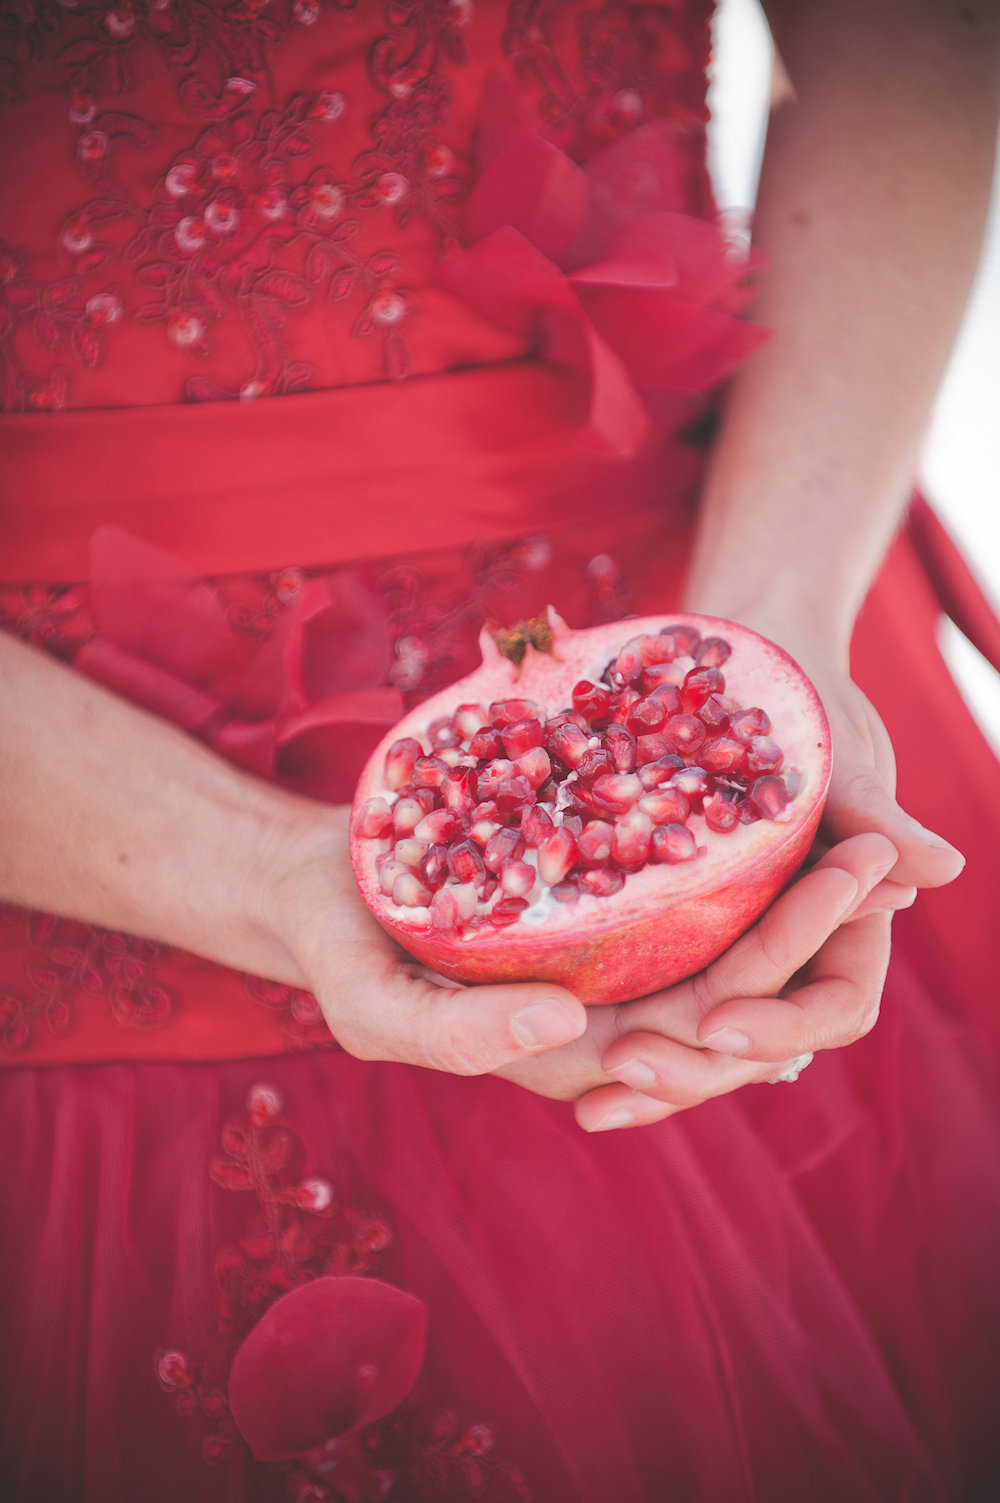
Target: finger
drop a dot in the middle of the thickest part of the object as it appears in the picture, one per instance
(861, 800)
(614, 1106)
(885, 897)
(675, 1074)
(399, 1014)
(836, 1003)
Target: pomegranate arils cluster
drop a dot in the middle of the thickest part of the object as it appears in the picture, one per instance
(508, 807)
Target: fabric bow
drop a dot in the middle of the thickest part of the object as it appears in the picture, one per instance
(602, 270)
(302, 706)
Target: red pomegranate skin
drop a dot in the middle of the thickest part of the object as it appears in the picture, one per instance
(668, 921)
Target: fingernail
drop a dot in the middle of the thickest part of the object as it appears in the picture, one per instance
(728, 1041)
(549, 1022)
(620, 1117)
(635, 1074)
(928, 836)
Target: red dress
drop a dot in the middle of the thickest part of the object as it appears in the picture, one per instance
(330, 330)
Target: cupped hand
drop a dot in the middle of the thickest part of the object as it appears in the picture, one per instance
(807, 976)
(379, 1002)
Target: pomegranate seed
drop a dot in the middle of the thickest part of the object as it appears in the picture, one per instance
(628, 665)
(791, 781)
(686, 732)
(483, 831)
(491, 776)
(429, 772)
(633, 831)
(695, 783)
(454, 756)
(443, 733)
(517, 878)
(616, 792)
(621, 706)
(427, 798)
(458, 791)
(768, 797)
(699, 684)
(513, 794)
(507, 711)
(672, 843)
(486, 743)
(594, 842)
(451, 907)
(746, 724)
(648, 715)
(374, 819)
(593, 764)
(536, 825)
(651, 649)
(535, 765)
(505, 845)
(591, 700)
(434, 866)
(556, 854)
(388, 872)
(399, 760)
(438, 827)
(662, 676)
(409, 892)
(409, 850)
(653, 749)
(668, 806)
(764, 755)
(521, 736)
(465, 862)
(712, 652)
(567, 742)
(722, 755)
(573, 823)
(681, 641)
(468, 720)
(487, 887)
(714, 716)
(507, 911)
(566, 892)
(620, 745)
(721, 813)
(406, 815)
(601, 881)
(652, 774)
(486, 810)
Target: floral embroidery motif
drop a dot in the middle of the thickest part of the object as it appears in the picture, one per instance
(69, 962)
(296, 1230)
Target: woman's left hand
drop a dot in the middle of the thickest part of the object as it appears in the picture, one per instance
(807, 976)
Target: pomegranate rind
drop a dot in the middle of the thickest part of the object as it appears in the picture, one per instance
(668, 921)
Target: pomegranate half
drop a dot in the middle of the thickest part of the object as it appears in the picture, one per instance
(608, 809)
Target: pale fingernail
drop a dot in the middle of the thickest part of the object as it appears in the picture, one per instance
(928, 836)
(548, 1022)
(728, 1041)
(620, 1117)
(635, 1074)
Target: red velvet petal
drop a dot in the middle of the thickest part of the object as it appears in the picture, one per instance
(149, 602)
(330, 1356)
(534, 187)
(666, 343)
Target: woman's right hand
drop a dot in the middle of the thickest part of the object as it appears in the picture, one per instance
(378, 1001)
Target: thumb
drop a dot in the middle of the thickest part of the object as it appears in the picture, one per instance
(422, 1019)
(860, 802)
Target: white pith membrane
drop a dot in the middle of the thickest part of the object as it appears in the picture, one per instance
(757, 674)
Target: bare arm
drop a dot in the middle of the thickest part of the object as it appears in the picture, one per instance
(110, 815)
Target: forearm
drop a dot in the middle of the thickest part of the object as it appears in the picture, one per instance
(873, 198)
(114, 817)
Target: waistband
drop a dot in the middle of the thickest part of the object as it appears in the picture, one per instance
(321, 478)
